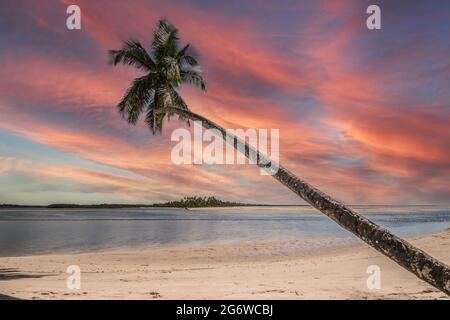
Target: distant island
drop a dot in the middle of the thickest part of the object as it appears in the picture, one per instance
(186, 202)
(199, 202)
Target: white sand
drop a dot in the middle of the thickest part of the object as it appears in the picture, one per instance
(247, 271)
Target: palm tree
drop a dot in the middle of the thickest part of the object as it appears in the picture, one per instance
(155, 95)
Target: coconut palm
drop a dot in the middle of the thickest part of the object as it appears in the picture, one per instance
(155, 94)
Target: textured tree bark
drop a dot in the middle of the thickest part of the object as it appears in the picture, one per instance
(406, 255)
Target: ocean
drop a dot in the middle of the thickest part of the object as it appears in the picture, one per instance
(42, 231)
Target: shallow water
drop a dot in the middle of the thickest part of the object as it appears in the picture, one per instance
(34, 231)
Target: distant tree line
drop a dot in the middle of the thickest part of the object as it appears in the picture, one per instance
(199, 202)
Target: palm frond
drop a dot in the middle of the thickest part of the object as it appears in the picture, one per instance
(165, 40)
(154, 119)
(193, 76)
(183, 51)
(177, 101)
(132, 53)
(136, 98)
(190, 60)
(164, 97)
(186, 56)
(150, 119)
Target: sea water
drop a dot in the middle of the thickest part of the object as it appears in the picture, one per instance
(26, 231)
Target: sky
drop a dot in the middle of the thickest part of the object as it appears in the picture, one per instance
(364, 115)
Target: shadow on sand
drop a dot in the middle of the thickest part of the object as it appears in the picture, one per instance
(5, 297)
(14, 274)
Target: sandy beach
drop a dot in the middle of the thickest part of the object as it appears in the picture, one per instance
(232, 271)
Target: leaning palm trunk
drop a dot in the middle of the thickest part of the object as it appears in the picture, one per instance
(406, 255)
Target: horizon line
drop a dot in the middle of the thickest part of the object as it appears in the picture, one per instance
(237, 204)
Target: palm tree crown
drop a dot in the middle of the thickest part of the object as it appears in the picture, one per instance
(166, 68)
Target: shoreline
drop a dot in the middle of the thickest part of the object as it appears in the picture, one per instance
(150, 206)
(295, 247)
(226, 271)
